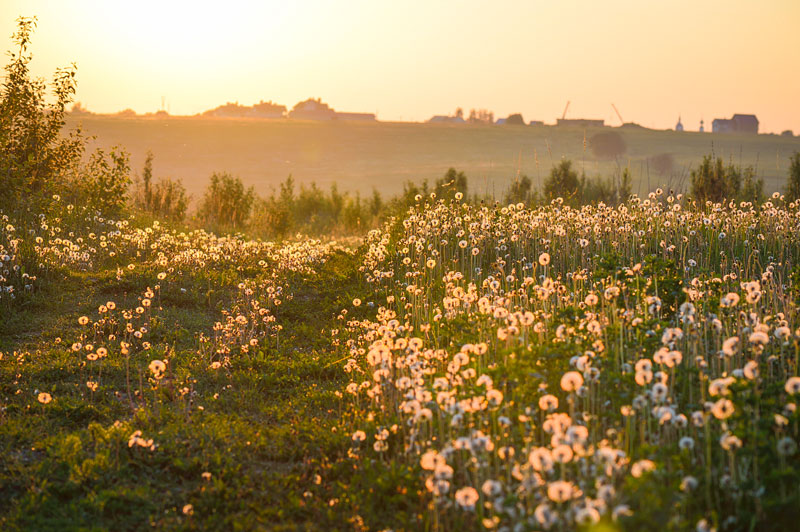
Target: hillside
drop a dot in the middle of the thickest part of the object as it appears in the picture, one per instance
(362, 156)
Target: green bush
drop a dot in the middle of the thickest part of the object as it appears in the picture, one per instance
(227, 203)
(793, 186)
(165, 198)
(38, 161)
(714, 181)
(563, 183)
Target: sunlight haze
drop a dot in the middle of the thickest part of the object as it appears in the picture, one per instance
(408, 61)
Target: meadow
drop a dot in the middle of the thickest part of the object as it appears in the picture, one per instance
(463, 367)
(360, 157)
(573, 361)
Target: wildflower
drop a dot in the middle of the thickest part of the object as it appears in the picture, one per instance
(731, 299)
(83, 320)
(786, 446)
(44, 398)
(544, 259)
(723, 409)
(467, 497)
(157, 367)
(750, 370)
(188, 509)
(729, 442)
(548, 402)
(359, 436)
(641, 467)
(560, 491)
(730, 346)
(571, 381)
(356, 302)
(689, 483)
(92, 385)
(792, 386)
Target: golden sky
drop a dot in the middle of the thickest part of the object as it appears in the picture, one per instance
(408, 60)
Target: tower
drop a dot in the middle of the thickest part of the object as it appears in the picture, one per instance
(702, 128)
(679, 126)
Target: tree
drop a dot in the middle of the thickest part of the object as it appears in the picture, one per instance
(227, 202)
(793, 186)
(515, 120)
(38, 160)
(563, 182)
(607, 145)
(714, 182)
(450, 183)
(520, 191)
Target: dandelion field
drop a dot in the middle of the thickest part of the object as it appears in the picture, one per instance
(464, 367)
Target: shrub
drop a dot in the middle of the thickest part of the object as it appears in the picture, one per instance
(451, 183)
(607, 145)
(38, 161)
(227, 202)
(166, 198)
(713, 181)
(563, 182)
(793, 186)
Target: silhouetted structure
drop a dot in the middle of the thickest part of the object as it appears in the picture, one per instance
(580, 122)
(737, 124)
(443, 119)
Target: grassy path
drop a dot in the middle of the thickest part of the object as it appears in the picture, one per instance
(248, 447)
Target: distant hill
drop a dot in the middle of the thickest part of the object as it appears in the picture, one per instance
(362, 155)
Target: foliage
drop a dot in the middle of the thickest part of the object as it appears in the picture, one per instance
(515, 120)
(607, 145)
(166, 198)
(715, 182)
(793, 184)
(38, 161)
(563, 183)
(226, 203)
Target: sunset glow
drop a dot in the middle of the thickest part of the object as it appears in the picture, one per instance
(410, 60)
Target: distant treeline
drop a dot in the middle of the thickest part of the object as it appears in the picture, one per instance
(227, 205)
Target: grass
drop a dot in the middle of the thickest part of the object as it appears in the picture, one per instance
(362, 156)
(263, 429)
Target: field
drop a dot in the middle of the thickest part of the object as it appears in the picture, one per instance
(461, 368)
(360, 157)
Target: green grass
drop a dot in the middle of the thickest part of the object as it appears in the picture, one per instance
(362, 156)
(264, 438)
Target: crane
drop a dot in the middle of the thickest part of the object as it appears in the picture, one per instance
(564, 115)
(618, 115)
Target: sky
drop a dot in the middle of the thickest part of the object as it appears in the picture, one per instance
(656, 61)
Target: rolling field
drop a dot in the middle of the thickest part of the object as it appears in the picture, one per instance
(362, 156)
(461, 368)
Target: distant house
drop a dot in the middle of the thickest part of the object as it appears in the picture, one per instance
(536, 123)
(442, 119)
(787, 133)
(501, 121)
(737, 124)
(580, 122)
(260, 110)
(312, 109)
(356, 117)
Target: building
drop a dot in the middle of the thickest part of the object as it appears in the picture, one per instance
(580, 122)
(737, 124)
(356, 117)
(702, 126)
(536, 123)
(312, 109)
(442, 119)
(262, 109)
(679, 126)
